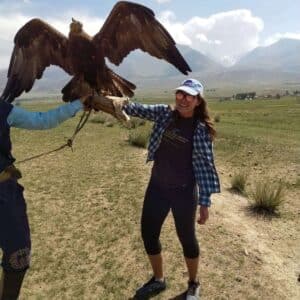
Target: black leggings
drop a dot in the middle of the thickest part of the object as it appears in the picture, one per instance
(157, 204)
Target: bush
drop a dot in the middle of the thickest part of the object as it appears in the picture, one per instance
(217, 118)
(139, 138)
(267, 197)
(136, 122)
(238, 183)
(103, 118)
(100, 119)
(109, 124)
(297, 183)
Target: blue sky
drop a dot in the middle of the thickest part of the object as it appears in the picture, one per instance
(224, 30)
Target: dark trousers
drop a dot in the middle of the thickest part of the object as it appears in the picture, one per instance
(158, 202)
(14, 228)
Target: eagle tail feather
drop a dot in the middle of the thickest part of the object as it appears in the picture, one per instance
(124, 86)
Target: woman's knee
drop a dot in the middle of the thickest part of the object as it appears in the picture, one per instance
(191, 249)
(152, 247)
(17, 261)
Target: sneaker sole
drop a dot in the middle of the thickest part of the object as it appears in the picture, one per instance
(150, 295)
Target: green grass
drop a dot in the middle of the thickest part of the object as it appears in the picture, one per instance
(262, 136)
(139, 137)
(85, 206)
(238, 183)
(270, 121)
(136, 122)
(99, 118)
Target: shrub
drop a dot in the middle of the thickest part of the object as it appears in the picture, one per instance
(100, 119)
(136, 122)
(139, 138)
(109, 124)
(297, 183)
(103, 118)
(267, 197)
(217, 118)
(238, 183)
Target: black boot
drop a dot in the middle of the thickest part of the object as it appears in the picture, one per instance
(10, 285)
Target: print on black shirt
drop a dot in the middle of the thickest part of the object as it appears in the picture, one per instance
(173, 159)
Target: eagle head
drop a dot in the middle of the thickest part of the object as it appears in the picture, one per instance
(75, 26)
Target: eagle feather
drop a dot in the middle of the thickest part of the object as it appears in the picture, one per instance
(129, 26)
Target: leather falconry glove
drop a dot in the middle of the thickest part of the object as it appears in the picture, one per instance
(109, 104)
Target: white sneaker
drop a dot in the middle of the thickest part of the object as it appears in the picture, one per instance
(193, 291)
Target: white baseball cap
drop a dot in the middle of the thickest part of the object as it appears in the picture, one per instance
(192, 87)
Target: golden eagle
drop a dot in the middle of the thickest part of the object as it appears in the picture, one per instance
(129, 26)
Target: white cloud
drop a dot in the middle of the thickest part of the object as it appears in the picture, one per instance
(90, 24)
(277, 36)
(163, 1)
(225, 36)
(168, 19)
(11, 23)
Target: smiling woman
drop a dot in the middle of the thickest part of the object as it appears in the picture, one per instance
(190, 102)
(187, 97)
(181, 148)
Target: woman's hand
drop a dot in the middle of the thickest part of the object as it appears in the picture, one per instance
(203, 215)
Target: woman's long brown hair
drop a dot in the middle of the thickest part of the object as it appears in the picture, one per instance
(201, 113)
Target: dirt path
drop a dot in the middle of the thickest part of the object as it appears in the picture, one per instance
(274, 244)
(244, 256)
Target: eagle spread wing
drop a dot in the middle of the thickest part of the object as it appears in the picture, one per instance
(132, 26)
(37, 46)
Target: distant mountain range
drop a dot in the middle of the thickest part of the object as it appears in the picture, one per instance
(282, 56)
(141, 65)
(274, 67)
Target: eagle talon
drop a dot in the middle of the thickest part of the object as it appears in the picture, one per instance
(111, 105)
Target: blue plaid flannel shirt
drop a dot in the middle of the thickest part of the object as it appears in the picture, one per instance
(203, 162)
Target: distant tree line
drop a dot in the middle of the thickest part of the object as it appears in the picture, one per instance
(243, 96)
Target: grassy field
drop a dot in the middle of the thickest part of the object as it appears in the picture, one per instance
(262, 137)
(85, 207)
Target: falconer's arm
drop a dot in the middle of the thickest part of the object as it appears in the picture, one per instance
(22, 118)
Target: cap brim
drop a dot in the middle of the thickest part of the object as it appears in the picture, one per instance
(187, 90)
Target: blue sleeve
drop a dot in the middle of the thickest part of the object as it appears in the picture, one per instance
(204, 200)
(22, 118)
(145, 111)
(204, 168)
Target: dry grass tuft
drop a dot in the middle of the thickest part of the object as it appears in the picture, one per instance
(267, 198)
(238, 183)
(217, 118)
(139, 137)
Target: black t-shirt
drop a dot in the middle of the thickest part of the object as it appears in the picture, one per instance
(173, 159)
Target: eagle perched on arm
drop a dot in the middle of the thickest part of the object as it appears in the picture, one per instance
(129, 26)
